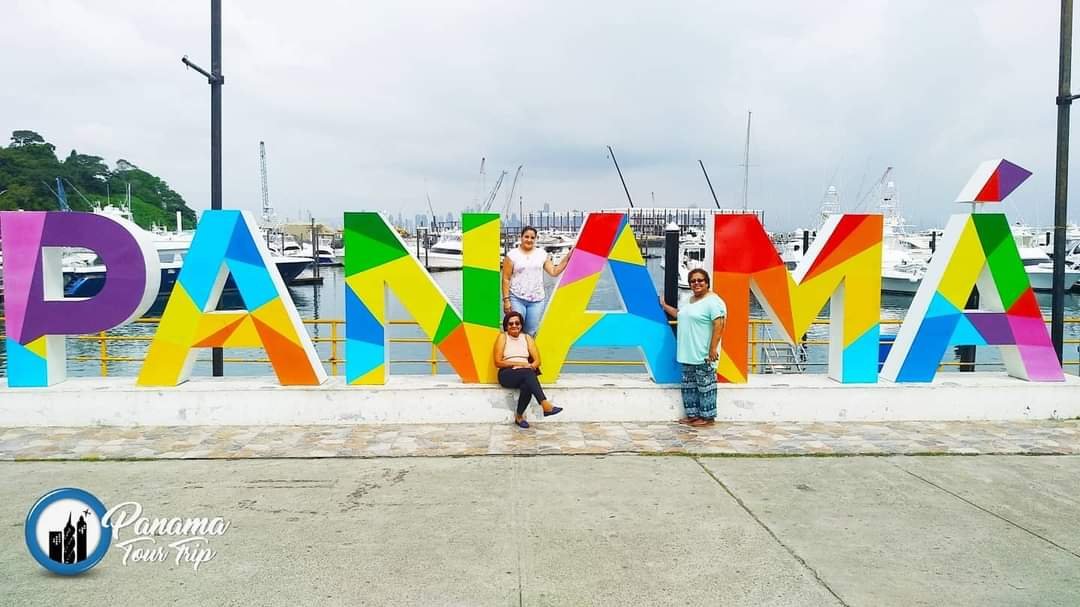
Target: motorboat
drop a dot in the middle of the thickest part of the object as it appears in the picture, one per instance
(691, 257)
(445, 254)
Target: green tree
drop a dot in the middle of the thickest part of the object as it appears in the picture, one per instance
(21, 138)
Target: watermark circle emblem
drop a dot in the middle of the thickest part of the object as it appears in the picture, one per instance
(61, 545)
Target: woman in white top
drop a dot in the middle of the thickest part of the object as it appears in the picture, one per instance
(518, 362)
(523, 279)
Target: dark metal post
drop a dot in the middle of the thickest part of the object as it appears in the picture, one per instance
(933, 241)
(315, 248)
(671, 265)
(216, 81)
(967, 353)
(805, 242)
(1061, 189)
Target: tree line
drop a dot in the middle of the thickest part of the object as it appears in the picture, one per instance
(29, 170)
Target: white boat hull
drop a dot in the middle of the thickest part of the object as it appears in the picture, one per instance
(441, 261)
(900, 284)
(1042, 279)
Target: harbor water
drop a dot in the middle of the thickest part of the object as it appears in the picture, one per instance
(327, 303)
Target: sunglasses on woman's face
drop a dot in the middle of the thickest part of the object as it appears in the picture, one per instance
(696, 280)
(513, 324)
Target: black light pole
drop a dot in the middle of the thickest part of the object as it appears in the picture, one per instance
(1061, 189)
(215, 79)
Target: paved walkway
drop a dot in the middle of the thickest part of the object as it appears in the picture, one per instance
(1047, 437)
(576, 530)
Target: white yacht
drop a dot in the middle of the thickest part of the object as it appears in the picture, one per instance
(691, 257)
(556, 243)
(445, 254)
(1037, 263)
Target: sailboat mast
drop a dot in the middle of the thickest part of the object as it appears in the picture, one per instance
(746, 164)
(708, 181)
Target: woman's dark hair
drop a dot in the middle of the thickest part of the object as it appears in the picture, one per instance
(701, 271)
(528, 229)
(512, 314)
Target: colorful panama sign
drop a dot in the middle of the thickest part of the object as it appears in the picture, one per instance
(843, 268)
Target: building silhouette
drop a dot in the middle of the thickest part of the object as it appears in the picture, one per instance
(69, 542)
(80, 537)
(56, 552)
(69, 545)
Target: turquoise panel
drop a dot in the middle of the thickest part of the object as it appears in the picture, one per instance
(24, 368)
(965, 334)
(656, 340)
(939, 306)
(254, 283)
(203, 260)
(860, 358)
(361, 357)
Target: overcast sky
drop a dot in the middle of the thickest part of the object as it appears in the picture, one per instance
(361, 104)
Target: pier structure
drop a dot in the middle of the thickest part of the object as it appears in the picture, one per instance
(413, 399)
(648, 223)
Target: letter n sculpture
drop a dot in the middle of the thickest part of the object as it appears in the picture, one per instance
(376, 258)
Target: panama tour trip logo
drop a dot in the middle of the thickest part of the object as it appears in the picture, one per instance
(64, 531)
(69, 530)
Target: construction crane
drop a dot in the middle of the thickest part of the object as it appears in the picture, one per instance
(513, 186)
(267, 210)
(494, 192)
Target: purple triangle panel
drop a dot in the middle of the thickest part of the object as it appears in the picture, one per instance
(1010, 176)
(993, 326)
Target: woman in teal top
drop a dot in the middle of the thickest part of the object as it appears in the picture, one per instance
(701, 323)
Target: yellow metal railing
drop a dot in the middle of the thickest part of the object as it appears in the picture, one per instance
(758, 338)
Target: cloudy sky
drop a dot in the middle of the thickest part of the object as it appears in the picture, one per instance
(368, 105)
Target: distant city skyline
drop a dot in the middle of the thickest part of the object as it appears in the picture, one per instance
(381, 107)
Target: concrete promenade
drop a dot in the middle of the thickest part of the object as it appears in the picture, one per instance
(579, 530)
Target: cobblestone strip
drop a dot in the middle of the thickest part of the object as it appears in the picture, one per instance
(1050, 437)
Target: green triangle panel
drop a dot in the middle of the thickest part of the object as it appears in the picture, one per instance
(993, 230)
(1008, 271)
(475, 220)
(447, 324)
(482, 302)
(369, 243)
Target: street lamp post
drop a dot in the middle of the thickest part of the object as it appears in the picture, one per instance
(215, 78)
(1061, 189)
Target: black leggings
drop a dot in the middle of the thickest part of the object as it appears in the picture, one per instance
(526, 381)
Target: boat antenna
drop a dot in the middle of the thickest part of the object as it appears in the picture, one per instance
(434, 221)
(746, 164)
(709, 181)
(625, 189)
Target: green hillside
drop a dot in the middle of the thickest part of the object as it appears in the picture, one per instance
(29, 170)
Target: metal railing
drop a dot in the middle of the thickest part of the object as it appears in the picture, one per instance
(761, 343)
